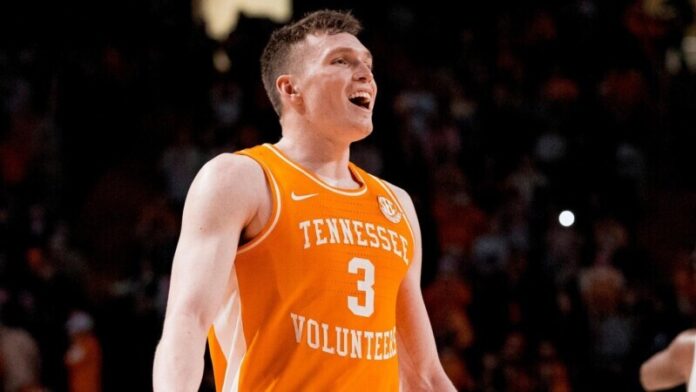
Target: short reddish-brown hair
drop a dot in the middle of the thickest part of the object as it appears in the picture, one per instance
(274, 60)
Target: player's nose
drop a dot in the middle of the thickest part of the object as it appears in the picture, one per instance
(363, 73)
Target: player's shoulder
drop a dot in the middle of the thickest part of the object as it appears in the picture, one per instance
(228, 179)
(406, 203)
(686, 338)
(230, 163)
(402, 196)
(233, 170)
(682, 349)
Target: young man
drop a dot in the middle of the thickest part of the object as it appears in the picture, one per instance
(301, 269)
(672, 366)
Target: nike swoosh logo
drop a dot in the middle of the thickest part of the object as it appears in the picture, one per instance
(302, 197)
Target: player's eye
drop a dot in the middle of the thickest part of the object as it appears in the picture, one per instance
(339, 61)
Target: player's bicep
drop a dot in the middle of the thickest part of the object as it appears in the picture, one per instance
(218, 206)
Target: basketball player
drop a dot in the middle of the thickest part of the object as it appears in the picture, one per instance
(672, 366)
(301, 269)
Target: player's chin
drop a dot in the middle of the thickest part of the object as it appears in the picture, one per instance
(358, 134)
(362, 131)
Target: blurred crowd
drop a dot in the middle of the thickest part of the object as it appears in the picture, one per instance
(495, 117)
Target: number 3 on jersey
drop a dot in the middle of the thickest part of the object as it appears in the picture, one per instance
(365, 285)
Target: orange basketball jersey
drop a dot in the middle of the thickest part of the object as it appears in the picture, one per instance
(312, 298)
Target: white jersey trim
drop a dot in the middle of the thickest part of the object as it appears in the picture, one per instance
(258, 239)
(234, 385)
(356, 192)
(229, 331)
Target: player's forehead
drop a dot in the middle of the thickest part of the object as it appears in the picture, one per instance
(322, 45)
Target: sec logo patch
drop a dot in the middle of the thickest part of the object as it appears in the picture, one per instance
(389, 209)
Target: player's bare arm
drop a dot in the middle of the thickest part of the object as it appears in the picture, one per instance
(419, 365)
(226, 197)
(671, 366)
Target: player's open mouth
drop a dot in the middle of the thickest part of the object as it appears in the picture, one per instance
(361, 98)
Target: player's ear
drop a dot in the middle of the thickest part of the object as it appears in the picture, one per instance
(288, 92)
(286, 86)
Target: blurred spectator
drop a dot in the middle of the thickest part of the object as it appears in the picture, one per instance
(459, 220)
(553, 373)
(563, 254)
(526, 180)
(610, 236)
(179, 163)
(624, 92)
(602, 287)
(367, 156)
(491, 251)
(18, 148)
(20, 363)
(157, 229)
(683, 278)
(551, 147)
(83, 358)
(45, 296)
(456, 370)
(532, 108)
(649, 21)
(511, 369)
(226, 101)
(560, 89)
(417, 106)
(447, 299)
(613, 332)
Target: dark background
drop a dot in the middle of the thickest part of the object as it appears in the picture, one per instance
(495, 116)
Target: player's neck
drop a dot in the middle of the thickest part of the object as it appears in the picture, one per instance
(325, 158)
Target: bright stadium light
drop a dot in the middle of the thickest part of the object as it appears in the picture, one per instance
(221, 16)
(566, 218)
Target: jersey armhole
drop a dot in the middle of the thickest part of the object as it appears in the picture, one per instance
(275, 209)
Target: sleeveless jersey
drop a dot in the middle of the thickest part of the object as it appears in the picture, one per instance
(312, 298)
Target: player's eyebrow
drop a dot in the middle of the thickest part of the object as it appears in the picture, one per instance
(344, 49)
